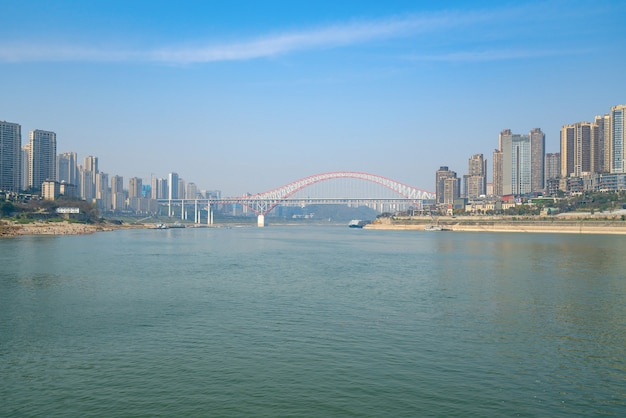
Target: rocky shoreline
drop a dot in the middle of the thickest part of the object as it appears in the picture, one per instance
(13, 229)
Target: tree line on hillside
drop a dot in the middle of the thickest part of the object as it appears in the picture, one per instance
(46, 209)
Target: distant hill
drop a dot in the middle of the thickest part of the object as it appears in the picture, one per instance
(340, 213)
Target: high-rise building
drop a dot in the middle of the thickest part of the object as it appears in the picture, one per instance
(103, 191)
(117, 184)
(91, 164)
(475, 182)
(87, 184)
(617, 132)
(134, 187)
(10, 156)
(172, 184)
(440, 176)
(159, 188)
(582, 148)
(576, 149)
(181, 189)
(25, 169)
(451, 189)
(537, 159)
(497, 173)
(43, 157)
(88, 174)
(599, 144)
(604, 125)
(553, 166)
(67, 168)
(191, 192)
(118, 198)
(518, 166)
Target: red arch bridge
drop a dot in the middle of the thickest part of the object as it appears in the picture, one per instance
(348, 190)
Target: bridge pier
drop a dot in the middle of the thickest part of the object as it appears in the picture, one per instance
(261, 221)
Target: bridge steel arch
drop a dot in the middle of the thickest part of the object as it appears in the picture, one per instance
(263, 203)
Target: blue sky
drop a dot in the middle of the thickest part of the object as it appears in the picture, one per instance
(245, 96)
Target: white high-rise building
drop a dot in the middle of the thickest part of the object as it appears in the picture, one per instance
(43, 157)
(25, 169)
(10, 156)
(172, 184)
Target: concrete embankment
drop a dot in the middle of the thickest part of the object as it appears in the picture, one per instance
(557, 226)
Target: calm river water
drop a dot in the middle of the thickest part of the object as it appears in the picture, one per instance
(312, 321)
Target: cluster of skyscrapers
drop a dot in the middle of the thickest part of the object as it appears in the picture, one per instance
(36, 166)
(591, 158)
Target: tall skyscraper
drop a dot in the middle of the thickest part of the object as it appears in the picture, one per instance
(582, 148)
(87, 184)
(537, 159)
(604, 124)
(118, 198)
(10, 156)
(103, 191)
(497, 172)
(25, 169)
(91, 164)
(67, 168)
(172, 183)
(134, 187)
(440, 176)
(617, 131)
(519, 163)
(88, 174)
(191, 192)
(117, 184)
(159, 188)
(451, 189)
(575, 149)
(553, 166)
(599, 144)
(475, 182)
(43, 157)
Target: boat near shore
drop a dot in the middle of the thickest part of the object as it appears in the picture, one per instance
(358, 223)
(433, 228)
(169, 226)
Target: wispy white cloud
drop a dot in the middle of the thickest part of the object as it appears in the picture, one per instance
(333, 36)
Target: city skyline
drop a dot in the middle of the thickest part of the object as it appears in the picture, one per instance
(246, 97)
(535, 182)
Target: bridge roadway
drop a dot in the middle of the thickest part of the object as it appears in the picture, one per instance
(263, 203)
(263, 206)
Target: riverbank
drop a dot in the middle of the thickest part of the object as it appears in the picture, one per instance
(565, 225)
(13, 229)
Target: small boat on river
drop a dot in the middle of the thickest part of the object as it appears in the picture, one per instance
(433, 228)
(358, 223)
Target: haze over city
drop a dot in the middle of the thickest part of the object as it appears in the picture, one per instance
(246, 96)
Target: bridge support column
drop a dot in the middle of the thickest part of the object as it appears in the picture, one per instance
(261, 221)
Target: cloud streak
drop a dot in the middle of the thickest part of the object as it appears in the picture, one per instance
(328, 37)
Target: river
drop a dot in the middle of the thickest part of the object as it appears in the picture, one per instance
(305, 321)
